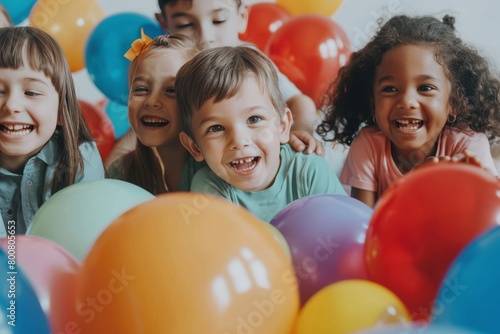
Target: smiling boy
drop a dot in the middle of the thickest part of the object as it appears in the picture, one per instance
(234, 117)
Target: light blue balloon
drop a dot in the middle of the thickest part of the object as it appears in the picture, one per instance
(18, 10)
(107, 44)
(418, 329)
(20, 310)
(118, 114)
(469, 296)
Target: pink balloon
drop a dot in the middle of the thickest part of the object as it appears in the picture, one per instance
(51, 271)
(326, 235)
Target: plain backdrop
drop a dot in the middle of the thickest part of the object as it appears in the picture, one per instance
(477, 23)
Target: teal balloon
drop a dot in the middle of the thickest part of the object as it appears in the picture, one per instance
(118, 114)
(470, 293)
(20, 310)
(107, 43)
(76, 215)
(419, 329)
(18, 10)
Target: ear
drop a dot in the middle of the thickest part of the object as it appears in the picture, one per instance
(285, 125)
(243, 18)
(162, 21)
(190, 145)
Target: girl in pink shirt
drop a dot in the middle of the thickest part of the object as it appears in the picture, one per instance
(416, 91)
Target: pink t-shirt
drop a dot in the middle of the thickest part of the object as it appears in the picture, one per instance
(369, 164)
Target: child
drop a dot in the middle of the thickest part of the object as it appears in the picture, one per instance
(419, 92)
(45, 144)
(236, 119)
(159, 163)
(218, 23)
(5, 20)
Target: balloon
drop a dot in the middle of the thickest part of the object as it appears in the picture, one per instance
(418, 329)
(70, 23)
(187, 263)
(309, 50)
(263, 20)
(20, 311)
(280, 239)
(118, 114)
(100, 127)
(18, 10)
(469, 294)
(348, 306)
(421, 223)
(321, 7)
(107, 44)
(52, 273)
(325, 234)
(76, 215)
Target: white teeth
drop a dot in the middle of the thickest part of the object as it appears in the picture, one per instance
(153, 120)
(235, 162)
(17, 127)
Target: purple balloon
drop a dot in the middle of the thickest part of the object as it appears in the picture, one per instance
(326, 235)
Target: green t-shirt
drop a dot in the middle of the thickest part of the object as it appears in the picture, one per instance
(299, 175)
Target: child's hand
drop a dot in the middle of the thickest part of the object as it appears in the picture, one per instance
(465, 157)
(303, 141)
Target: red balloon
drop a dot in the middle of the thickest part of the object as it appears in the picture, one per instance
(420, 225)
(309, 50)
(52, 272)
(100, 127)
(263, 20)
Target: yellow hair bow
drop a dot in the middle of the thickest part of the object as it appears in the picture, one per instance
(138, 46)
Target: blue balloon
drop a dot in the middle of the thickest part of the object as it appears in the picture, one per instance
(20, 310)
(107, 44)
(418, 329)
(118, 114)
(18, 10)
(470, 293)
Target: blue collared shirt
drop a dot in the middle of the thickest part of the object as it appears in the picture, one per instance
(22, 195)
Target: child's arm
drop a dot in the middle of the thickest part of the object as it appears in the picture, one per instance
(304, 122)
(365, 196)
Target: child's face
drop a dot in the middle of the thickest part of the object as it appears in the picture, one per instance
(411, 99)
(152, 105)
(240, 137)
(29, 106)
(214, 22)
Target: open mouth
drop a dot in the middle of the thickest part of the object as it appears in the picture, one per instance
(245, 164)
(153, 121)
(17, 129)
(409, 124)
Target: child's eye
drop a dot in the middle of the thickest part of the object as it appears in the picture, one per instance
(215, 128)
(30, 93)
(389, 89)
(170, 90)
(218, 21)
(184, 26)
(140, 90)
(425, 88)
(254, 119)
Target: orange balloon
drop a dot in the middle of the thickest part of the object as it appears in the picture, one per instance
(70, 23)
(300, 7)
(187, 263)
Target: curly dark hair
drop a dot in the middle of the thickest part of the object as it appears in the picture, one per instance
(475, 89)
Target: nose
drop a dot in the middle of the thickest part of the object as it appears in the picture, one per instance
(239, 138)
(408, 100)
(154, 99)
(10, 103)
(206, 34)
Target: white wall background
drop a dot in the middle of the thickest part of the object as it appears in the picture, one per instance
(477, 22)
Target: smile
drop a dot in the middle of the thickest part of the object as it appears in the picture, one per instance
(17, 129)
(154, 121)
(409, 124)
(246, 164)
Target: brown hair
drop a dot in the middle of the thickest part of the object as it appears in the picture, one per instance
(219, 73)
(44, 54)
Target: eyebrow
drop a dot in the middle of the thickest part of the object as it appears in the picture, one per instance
(184, 14)
(30, 79)
(420, 77)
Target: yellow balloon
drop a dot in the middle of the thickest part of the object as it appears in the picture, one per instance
(70, 22)
(187, 263)
(320, 7)
(350, 306)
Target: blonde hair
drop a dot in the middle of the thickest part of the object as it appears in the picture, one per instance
(44, 54)
(140, 166)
